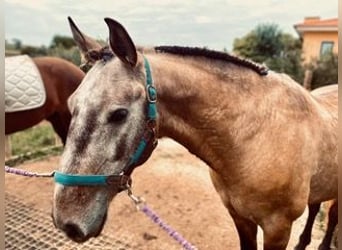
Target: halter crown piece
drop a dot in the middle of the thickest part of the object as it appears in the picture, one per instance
(144, 149)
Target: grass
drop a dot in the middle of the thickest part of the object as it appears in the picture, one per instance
(32, 139)
(33, 143)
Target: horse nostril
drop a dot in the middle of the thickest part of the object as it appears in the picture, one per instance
(74, 232)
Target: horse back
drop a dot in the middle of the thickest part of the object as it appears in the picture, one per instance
(327, 96)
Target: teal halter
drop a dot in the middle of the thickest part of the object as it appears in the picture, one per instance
(143, 150)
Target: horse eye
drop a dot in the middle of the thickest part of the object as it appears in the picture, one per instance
(118, 115)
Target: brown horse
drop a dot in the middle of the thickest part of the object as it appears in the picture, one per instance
(324, 94)
(270, 145)
(60, 78)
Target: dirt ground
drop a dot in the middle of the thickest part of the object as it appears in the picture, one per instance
(176, 185)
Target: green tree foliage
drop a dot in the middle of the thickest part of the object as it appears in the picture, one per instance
(267, 44)
(60, 46)
(72, 54)
(62, 41)
(261, 43)
(65, 47)
(34, 51)
(325, 70)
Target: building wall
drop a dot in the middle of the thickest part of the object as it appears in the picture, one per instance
(312, 44)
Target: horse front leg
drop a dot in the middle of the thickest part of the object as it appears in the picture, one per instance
(277, 230)
(247, 231)
(305, 237)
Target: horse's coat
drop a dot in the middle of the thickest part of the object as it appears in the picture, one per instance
(327, 95)
(271, 146)
(60, 78)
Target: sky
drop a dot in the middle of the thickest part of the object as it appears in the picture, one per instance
(211, 23)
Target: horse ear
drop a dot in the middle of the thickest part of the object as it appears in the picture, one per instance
(84, 42)
(121, 43)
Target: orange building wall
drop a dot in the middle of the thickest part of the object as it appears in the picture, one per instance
(312, 44)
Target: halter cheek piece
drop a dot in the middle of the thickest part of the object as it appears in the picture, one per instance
(143, 151)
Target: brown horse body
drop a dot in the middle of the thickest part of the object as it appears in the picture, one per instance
(60, 78)
(271, 146)
(327, 95)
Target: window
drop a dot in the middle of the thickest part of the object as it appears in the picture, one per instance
(326, 48)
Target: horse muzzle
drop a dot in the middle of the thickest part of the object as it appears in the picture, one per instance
(80, 212)
(79, 231)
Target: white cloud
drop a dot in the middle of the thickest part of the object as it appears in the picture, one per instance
(30, 4)
(203, 19)
(208, 23)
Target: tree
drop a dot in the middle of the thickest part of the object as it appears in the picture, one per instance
(64, 41)
(17, 43)
(267, 44)
(260, 44)
(325, 70)
(34, 51)
(72, 54)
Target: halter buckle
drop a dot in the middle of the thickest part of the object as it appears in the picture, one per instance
(120, 181)
(151, 94)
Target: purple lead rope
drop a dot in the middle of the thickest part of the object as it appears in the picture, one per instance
(27, 173)
(175, 235)
(137, 200)
(141, 205)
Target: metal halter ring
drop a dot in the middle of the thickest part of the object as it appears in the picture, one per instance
(138, 201)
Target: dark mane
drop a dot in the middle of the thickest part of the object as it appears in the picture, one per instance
(260, 69)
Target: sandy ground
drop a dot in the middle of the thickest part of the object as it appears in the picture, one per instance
(176, 185)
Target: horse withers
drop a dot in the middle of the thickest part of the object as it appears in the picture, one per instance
(60, 79)
(270, 145)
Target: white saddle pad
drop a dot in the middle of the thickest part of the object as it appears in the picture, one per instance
(24, 88)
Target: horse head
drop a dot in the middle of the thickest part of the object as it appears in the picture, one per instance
(110, 118)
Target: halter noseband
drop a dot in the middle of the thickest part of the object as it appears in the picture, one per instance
(144, 149)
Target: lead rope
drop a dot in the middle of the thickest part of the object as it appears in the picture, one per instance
(138, 201)
(23, 172)
(141, 206)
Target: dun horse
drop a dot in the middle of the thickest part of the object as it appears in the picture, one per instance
(324, 93)
(270, 145)
(60, 78)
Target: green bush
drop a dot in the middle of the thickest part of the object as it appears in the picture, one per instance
(70, 54)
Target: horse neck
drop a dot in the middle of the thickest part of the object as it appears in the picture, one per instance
(197, 104)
